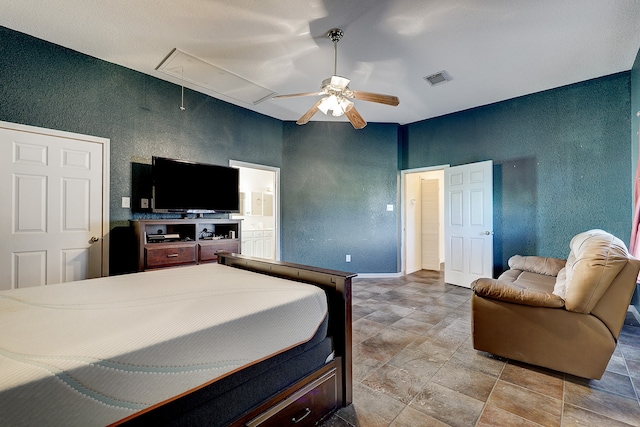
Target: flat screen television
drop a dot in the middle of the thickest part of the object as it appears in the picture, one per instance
(190, 187)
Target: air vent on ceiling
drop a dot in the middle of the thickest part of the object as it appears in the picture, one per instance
(188, 68)
(437, 78)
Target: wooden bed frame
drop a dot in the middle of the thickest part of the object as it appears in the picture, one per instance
(328, 389)
(310, 399)
(300, 386)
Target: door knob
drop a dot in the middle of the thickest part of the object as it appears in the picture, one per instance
(94, 239)
(488, 233)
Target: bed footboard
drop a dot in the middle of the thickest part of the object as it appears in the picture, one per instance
(336, 284)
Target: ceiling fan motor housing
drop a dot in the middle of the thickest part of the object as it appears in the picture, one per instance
(335, 34)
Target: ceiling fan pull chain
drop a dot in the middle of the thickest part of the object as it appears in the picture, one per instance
(335, 58)
(182, 87)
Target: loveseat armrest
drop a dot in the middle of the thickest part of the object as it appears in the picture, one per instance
(537, 264)
(514, 293)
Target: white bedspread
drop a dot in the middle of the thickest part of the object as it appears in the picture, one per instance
(93, 352)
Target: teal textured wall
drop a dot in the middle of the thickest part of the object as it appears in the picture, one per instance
(46, 85)
(336, 185)
(562, 157)
(562, 162)
(348, 177)
(53, 87)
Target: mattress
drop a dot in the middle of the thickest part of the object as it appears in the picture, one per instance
(96, 351)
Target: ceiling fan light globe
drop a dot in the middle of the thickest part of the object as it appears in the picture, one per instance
(324, 105)
(345, 104)
(331, 103)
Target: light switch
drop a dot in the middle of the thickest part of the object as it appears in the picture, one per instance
(144, 203)
(126, 202)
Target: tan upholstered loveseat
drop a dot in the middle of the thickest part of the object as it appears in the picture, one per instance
(563, 315)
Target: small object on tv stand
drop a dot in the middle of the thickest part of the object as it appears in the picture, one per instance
(162, 237)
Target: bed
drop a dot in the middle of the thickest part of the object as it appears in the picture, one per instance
(265, 343)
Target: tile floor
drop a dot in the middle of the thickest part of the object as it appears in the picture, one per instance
(414, 365)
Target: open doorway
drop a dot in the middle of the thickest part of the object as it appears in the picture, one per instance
(465, 220)
(259, 210)
(423, 216)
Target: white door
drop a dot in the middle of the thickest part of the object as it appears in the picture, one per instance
(51, 207)
(468, 229)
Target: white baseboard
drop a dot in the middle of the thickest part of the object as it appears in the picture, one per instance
(379, 275)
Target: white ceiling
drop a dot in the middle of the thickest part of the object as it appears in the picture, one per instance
(492, 49)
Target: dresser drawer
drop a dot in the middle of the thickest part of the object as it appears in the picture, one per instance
(169, 255)
(209, 250)
(305, 407)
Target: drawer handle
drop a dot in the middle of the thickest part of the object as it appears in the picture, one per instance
(172, 255)
(306, 414)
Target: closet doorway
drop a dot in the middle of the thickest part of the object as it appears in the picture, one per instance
(423, 217)
(464, 239)
(259, 209)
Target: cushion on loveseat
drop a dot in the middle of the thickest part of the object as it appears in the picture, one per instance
(537, 264)
(595, 259)
(524, 292)
(529, 281)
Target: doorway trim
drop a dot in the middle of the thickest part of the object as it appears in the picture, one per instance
(403, 200)
(276, 196)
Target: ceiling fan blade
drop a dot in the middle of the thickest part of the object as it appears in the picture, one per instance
(355, 118)
(295, 95)
(307, 116)
(376, 97)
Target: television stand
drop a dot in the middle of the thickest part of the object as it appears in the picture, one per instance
(173, 242)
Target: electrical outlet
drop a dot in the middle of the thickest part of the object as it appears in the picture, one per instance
(126, 202)
(144, 203)
(348, 258)
(389, 208)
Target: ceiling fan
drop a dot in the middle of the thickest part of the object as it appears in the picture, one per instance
(337, 94)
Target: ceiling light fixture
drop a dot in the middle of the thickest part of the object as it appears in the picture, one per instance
(336, 93)
(335, 102)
